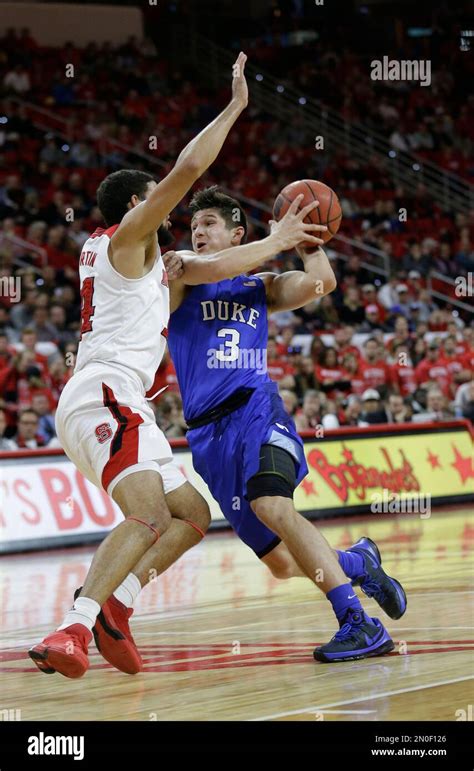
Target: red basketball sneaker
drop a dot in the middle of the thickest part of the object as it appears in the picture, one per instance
(64, 652)
(113, 637)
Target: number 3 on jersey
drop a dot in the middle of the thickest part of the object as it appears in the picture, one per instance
(87, 309)
(230, 352)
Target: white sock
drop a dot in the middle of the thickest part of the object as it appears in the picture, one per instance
(128, 590)
(84, 611)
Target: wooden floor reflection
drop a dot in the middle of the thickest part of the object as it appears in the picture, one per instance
(223, 640)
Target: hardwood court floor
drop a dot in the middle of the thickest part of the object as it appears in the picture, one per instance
(223, 640)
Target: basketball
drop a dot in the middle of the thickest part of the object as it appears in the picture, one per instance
(327, 213)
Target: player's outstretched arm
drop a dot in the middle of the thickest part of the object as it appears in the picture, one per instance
(231, 262)
(291, 290)
(144, 219)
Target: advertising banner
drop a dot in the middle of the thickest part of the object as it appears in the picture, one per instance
(45, 501)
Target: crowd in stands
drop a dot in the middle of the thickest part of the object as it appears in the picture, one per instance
(374, 351)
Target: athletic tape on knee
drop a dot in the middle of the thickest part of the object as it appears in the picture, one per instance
(150, 527)
(196, 527)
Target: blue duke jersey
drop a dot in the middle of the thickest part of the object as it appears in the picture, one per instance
(218, 342)
(218, 339)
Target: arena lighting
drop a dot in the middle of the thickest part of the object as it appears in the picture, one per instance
(416, 167)
(3, 119)
(65, 148)
(419, 32)
(259, 77)
(392, 154)
(280, 89)
(302, 100)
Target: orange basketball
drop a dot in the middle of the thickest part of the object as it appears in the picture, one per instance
(327, 213)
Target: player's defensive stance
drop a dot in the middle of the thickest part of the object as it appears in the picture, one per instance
(244, 444)
(103, 420)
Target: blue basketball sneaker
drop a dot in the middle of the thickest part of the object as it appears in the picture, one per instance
(359, 637)
(387, 591)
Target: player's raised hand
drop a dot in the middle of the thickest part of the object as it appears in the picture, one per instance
(173, 265)
(240, 92)
(292, 230)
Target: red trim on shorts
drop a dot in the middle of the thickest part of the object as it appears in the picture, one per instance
(124, 445)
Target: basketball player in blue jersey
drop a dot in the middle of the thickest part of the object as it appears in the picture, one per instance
(244, 444)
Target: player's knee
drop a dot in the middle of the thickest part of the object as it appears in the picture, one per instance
(200, 515)
(158, 518)
(273, 511)
(282, 569)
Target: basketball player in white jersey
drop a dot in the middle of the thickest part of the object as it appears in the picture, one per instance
(103, 420)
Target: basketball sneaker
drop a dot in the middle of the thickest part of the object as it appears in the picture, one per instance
(359, 637)
(374, 582)
(64, 651)
(113, 637)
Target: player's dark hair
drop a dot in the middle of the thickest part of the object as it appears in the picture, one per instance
(115, 191)
(229, 208)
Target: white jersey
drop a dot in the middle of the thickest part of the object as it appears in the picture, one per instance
(123, 321)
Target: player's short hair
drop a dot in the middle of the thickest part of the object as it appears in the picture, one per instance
(229, 208)
(115, 191)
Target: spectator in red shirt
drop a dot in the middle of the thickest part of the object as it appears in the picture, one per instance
(59, 375)
(6, 352)
(286, 336)
(374, 370)
(402, 376)
(455, 364)
(402, 334)
(29, 343)
(279, 370)
(329, 373)
(351, 365)
(432, 369)
(343, 343)
(468, 360)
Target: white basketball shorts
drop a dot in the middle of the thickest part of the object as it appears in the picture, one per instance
(108, 430)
